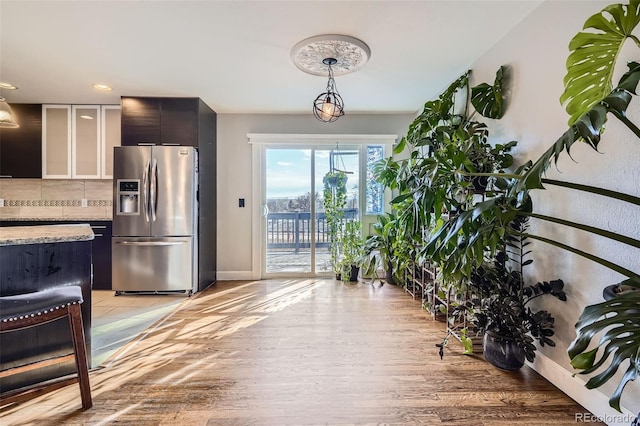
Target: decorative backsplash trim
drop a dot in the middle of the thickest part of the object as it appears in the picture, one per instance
(56, 203)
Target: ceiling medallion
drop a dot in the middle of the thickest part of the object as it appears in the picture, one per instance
(350, 54)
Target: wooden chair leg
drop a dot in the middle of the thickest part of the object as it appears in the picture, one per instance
(77, 331)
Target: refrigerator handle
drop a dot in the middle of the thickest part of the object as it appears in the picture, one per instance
(145, 197)
(153, 196)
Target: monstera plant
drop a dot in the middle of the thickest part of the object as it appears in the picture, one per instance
(444, 144)
(589, 100)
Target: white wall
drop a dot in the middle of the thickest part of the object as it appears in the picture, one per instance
(235, 176)
(537, 50)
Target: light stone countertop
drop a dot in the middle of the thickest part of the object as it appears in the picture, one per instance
(41, 234)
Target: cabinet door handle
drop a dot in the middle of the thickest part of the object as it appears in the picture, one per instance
(98, 235)
(98, 227)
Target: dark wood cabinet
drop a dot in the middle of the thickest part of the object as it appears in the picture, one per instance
(179, 121)
(100, 247)
(160, 121)
(21, 148)
(140, 121)
(182, 121)
(101, 255)
(33, 267)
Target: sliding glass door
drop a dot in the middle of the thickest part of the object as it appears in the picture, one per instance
(296, 240)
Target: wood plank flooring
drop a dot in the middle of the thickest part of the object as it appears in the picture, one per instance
(299, 352)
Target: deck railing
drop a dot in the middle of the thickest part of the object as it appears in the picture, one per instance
(292, 230)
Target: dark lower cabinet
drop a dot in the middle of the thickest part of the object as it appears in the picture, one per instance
(33, 267)
(100, 248)
(101, 254)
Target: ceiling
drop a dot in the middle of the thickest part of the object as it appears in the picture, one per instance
(235, 54)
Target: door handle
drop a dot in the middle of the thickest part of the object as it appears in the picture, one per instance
(265, 210)
(145, 198)
(153, 195)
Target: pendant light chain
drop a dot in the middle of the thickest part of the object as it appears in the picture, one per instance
(328, 106)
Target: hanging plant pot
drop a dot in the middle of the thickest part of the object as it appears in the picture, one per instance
(501, 352)
(335, 179)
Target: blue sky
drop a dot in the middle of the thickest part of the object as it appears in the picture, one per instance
(288, 171)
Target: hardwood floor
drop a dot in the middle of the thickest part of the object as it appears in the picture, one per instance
(300, 352)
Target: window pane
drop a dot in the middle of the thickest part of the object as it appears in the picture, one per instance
(374, 192)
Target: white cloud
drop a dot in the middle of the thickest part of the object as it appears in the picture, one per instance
(284, 163)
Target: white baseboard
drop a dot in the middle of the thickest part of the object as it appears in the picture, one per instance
(234, 275)
(591, 399)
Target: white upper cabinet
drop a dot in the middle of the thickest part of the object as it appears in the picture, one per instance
(78, 141)
(86, 155)
(56, 141)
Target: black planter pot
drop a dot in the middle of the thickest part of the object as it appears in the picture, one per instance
(389, 274)
(609, 292)
(480, 183)
(502, 353)
(355, 270)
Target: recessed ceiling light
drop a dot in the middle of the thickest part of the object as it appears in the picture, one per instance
(86, 117)
(7, 86)
(102, 87)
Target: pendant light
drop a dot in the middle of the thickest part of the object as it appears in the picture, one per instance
(7, 119)
(328, 106)
(330, 54)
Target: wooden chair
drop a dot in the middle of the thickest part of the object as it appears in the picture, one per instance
(32, 309)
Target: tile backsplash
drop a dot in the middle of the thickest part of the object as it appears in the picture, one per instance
(55, 199)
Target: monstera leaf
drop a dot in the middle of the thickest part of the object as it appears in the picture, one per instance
(488, 100)
(618, 320)
(434, 113)
(589, 127)
(593, 54)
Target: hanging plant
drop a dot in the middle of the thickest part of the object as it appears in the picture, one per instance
(335, 200)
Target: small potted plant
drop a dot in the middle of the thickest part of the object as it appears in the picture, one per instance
(378, 247)
(352, 250)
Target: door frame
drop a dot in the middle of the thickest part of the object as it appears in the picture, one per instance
(259, 142)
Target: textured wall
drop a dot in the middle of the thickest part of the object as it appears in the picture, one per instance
(537, 50)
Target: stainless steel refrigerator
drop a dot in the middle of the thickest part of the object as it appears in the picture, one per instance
(155, 219)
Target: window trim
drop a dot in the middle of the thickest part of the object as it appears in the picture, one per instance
(259, 140)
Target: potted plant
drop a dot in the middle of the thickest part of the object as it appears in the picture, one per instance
(502, 312)
(335, 200)
(378, 248)
(352, 250)
(445, 146)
